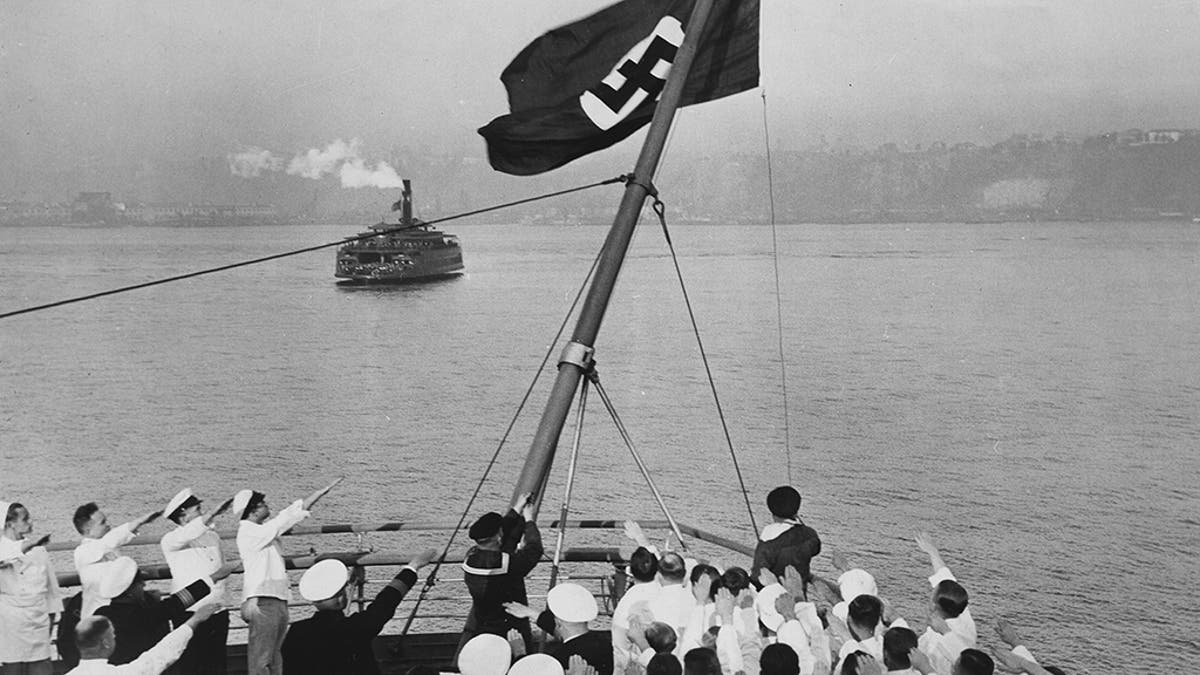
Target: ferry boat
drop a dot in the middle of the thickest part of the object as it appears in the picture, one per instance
(399, 251)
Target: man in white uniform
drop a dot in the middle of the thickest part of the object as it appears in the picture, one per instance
(265, 584)
(97, 639)
(29, 596)
(98, 547)
(192, 550)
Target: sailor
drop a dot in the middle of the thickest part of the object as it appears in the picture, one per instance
(484, 654)
(192, 550)
(265, 586)
(97, 639)
(951, 628)
(331, 642)
(495, 568)
(573, 606)
(787, 541)
(141, 619)
(29, 595)
(99, 546)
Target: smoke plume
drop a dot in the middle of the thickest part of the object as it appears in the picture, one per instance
(338, 157)
(251, 162)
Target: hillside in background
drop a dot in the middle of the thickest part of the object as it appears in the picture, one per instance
(1126, 175)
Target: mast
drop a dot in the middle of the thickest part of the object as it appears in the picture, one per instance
(576, 358)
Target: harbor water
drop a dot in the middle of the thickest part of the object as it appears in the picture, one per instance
(1028, 393)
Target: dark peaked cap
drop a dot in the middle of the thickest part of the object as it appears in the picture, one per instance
(487, 525)
(784, 501)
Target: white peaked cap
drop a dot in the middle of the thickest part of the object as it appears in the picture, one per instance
(536, 664)
(116, 577)
(765, 604)
(485, 654)
(323, 580)
(177, 501)
(572, 603)
(241, 500)
(856, 582)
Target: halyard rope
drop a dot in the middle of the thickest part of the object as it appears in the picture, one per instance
(660, 211)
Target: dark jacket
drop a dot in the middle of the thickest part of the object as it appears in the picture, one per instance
(497, 577)
(139, 625)
(331, 642)
(794, 546)
(595, 648)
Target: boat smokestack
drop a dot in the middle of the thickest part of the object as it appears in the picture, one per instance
(406, 213)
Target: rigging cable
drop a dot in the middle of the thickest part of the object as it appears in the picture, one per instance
(566, 506)
(432, 578)
(308, 249)
(660, 211)
(787, 427)
(624, 432)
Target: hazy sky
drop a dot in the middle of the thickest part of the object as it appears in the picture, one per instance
(114, 81)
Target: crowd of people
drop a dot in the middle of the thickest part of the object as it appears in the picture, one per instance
(679, 616)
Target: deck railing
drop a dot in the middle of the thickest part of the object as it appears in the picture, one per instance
(598, 563)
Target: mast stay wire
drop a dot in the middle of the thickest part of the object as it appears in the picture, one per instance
(431, 579)
(566, 505)
(787, 427)
(624, 432)
(660, 211)
(307, 249)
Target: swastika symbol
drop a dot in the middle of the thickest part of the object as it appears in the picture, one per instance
(638, 75)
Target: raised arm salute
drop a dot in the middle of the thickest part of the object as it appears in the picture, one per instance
(99, 546)
(192, 549)
(266, 590)
(330, 641)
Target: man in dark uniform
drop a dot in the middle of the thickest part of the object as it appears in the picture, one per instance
(141, 619)
(331, 642)
(786, 542)
(573, 606)
(495, 569)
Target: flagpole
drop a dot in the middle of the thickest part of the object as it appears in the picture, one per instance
(576, 359)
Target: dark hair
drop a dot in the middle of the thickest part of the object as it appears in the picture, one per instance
(784, 502)
(736, 580)
(975, 662)
(701, 661)
(711, 572)
(950, 597)
(897, 642)
(865, 610)
(779, 659)
(643, 565)
(256, 498)
(661, 637)
(664, 663)
(89, 633)
(11, 514)
(851, 662)
(671, 566)
(1056, 670)
(83, 516)
(175, 515)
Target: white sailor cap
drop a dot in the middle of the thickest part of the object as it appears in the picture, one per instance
(764, 602)
(177, 501)
(536, 664)
(323, 580)
(485, 654)
(856, 582)
(240, 501)
(572, 603)
(116, 576)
